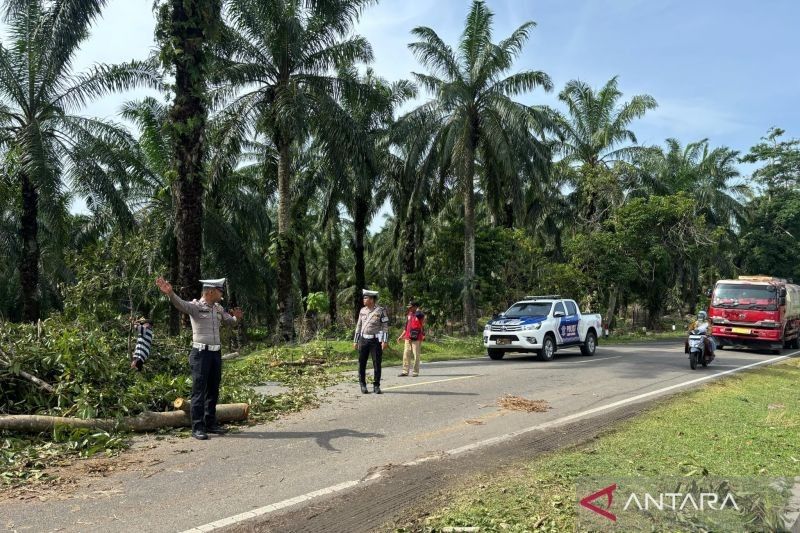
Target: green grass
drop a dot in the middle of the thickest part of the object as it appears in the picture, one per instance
(641, 337)
(744, 426)
(340, 356)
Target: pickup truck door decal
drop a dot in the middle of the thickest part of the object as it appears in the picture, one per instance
(568, 329)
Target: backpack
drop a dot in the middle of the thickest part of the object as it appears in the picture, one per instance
(416, 327)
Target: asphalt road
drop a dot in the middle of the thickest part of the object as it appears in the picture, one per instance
(352, 438)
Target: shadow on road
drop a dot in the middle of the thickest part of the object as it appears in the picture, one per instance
(323, 438)
(430, 392)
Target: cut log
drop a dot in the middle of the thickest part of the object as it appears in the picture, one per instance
(147, 421)
(182, 404)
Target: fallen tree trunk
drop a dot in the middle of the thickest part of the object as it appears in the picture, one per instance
(147, 421)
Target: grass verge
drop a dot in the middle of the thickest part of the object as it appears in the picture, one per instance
(747, 425)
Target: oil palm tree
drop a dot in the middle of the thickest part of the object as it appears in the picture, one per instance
(369, 106)
(187, 32)
(275, 74)
(411, 170)
(596, 135)
(236, 227)
(46, 141)
(478, 116)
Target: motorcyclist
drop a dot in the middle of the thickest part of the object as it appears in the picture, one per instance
(701, 322)
(703, 326)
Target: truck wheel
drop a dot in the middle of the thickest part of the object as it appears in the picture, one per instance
(548, 348)
(590, 344)
(495, 354)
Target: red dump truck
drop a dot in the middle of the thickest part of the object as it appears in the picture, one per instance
(755, 311)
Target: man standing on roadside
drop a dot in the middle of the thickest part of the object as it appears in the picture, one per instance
(205, 359)
(372, 332)
(413, 335)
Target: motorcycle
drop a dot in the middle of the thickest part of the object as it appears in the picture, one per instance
(699, 347)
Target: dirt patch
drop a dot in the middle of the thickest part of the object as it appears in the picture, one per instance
(518, 403)
(73, 473)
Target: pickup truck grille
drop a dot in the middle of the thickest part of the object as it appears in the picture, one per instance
(506, 328)
(506, 337)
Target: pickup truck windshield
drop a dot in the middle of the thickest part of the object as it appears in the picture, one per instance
(745, 296)
(528, 309)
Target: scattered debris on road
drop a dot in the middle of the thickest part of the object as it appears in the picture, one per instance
(475, 422)
(518, 403)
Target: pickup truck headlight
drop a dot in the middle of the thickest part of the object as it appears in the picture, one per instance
(529, 327)
(487, 327)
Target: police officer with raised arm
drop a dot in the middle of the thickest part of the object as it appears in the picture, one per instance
(205, 359)
(372, 333)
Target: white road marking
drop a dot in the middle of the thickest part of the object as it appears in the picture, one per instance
(429, 382)
(470, 447)
(592, 360)
(271, 508)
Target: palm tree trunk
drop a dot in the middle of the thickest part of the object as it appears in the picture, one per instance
(189, 236)
(360, 228)
(332, 257)
(174, 323)
(190, 23)
(612, 307)
(470, 320)
(508, 215)
(29, 258)
(409, 255)
(303, 275)
(285, 248)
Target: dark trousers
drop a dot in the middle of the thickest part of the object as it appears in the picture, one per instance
(365, 348)
(206, 375)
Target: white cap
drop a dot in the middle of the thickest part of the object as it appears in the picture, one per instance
(366, 292)
(213, 283)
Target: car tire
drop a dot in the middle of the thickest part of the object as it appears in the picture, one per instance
(548, 350)
(589, 346)
(495, 354)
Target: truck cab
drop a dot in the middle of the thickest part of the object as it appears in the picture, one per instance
(542, 325)
(755, 311)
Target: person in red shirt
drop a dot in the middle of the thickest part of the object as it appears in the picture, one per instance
(413, 334)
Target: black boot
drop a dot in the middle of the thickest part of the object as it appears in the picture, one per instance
(364, 389)
(377, 389)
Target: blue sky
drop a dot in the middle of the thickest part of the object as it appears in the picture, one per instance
(726, 70)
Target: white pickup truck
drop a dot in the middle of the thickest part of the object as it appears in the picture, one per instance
(541, 324)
